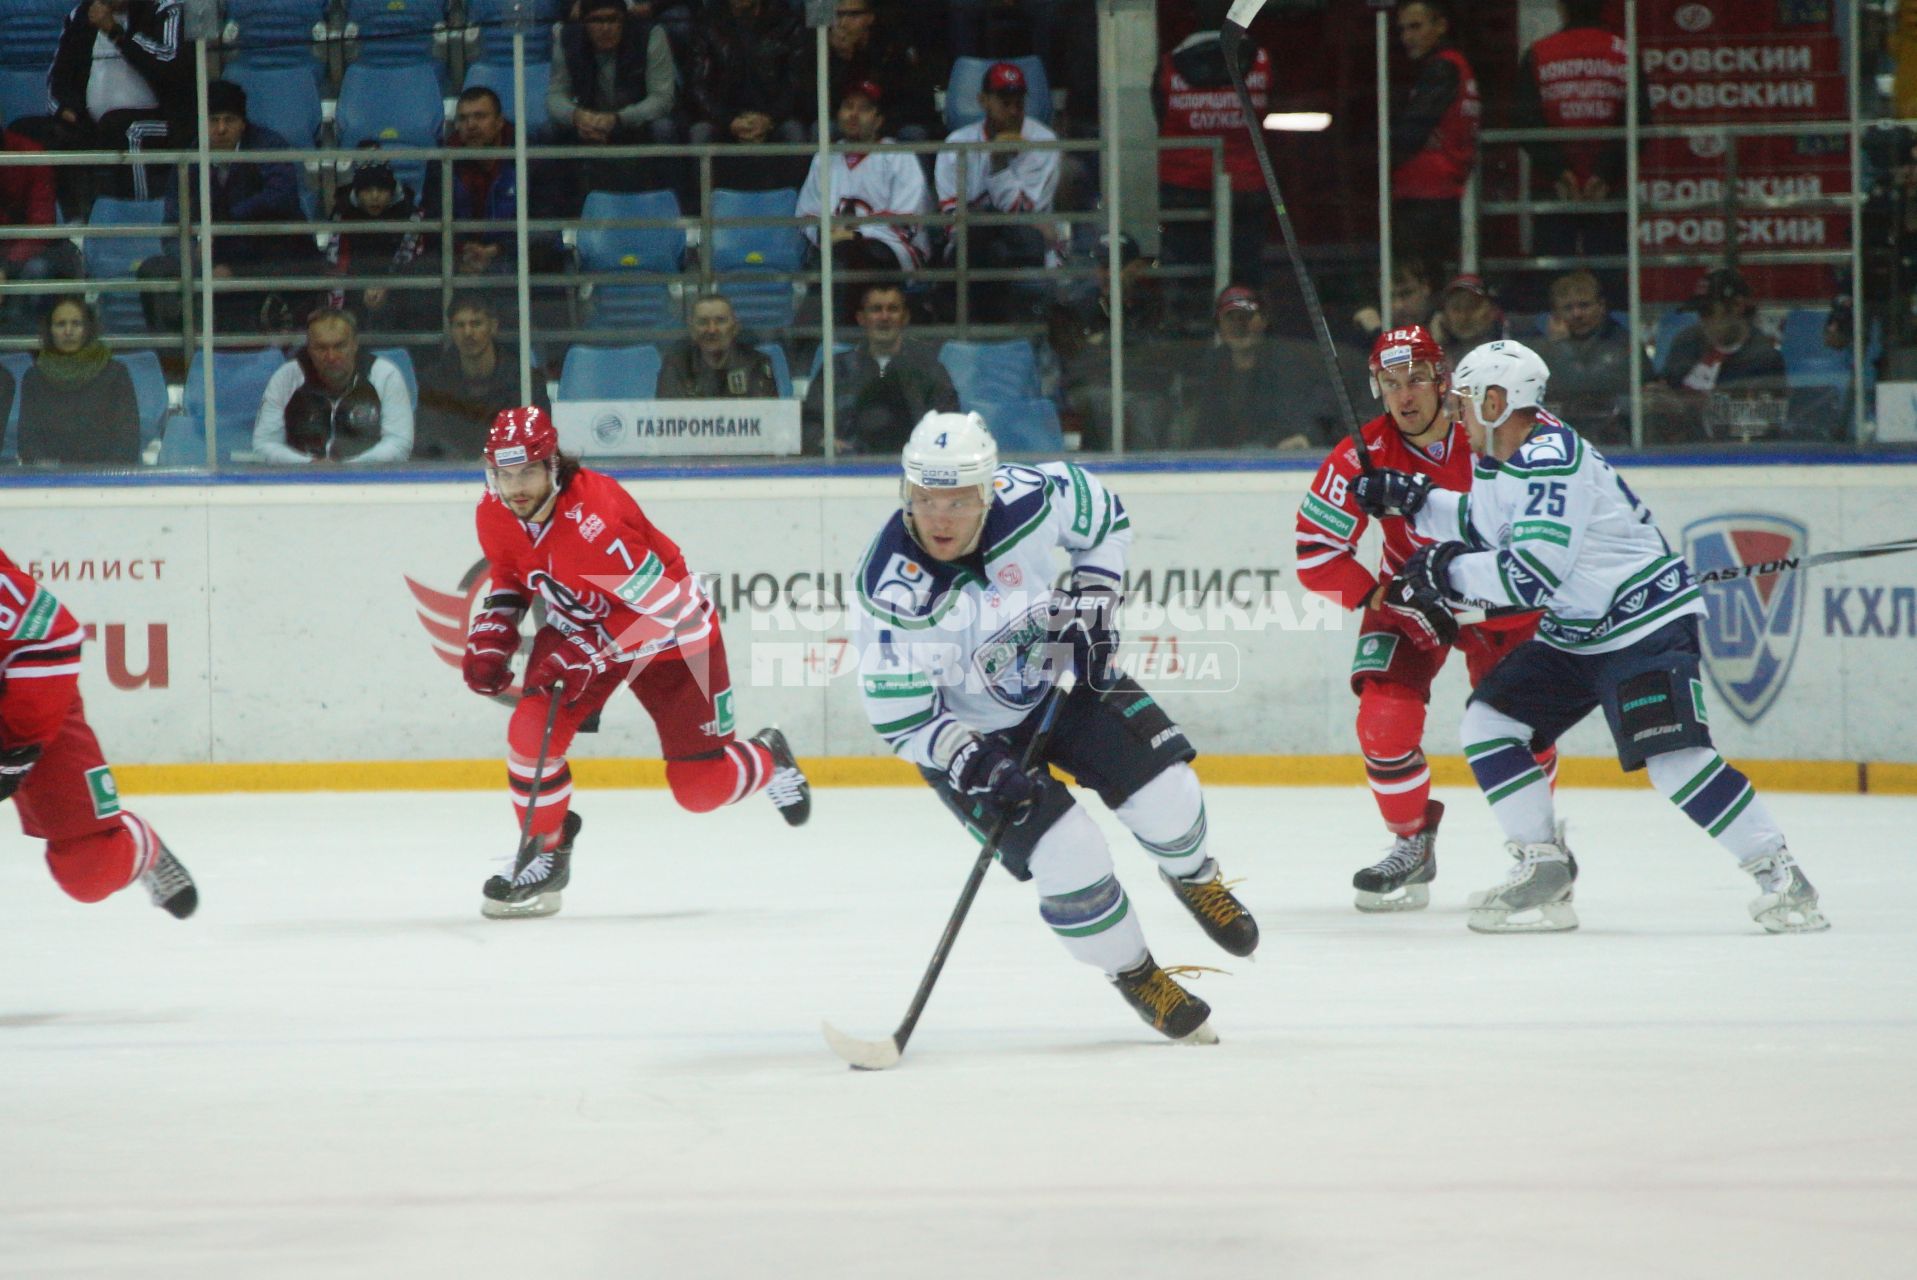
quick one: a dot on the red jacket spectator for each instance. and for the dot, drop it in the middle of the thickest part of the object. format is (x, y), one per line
(1574, 79)
(1434, 136)
(1195, 99)
(26, 199)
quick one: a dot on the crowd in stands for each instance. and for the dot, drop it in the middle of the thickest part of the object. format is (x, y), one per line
(1203, 369)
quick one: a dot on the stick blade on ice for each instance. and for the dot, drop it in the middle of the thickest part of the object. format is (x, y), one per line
(865, 1055)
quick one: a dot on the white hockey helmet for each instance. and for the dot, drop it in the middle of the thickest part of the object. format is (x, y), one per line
(1508, 364)
(951, 451)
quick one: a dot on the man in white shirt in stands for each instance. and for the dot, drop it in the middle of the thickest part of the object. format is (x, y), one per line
(333, 403)
(1002, 182)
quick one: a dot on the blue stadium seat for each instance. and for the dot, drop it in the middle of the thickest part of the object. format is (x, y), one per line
(402, 359)
(23, 93)
(240, 379)
(266, 34)
(610, 373)
(393, 106)
(29, 33)
(16, 363)
(496, 38)
(652, 249)
(149, 388)
(118, 257)
(991, 373)
(781, 368)
(968, 77)
(499, 78)
(772, 304)
(1026, 425)
(283, 99)
(395, 33)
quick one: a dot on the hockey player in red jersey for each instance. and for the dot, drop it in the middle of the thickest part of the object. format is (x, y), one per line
(621, 610)
(50, 762)
(1399, 653)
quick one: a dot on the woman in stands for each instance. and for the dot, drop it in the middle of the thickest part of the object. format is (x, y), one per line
(77, 406)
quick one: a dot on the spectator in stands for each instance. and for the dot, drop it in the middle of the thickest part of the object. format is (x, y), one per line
(333, 402)
(862, 46)
(244, 192)
(866, 184)
(467, 382)
(1079, 334)
(883, 385)
(614, 82)
(1247, 392)
(748, 65)
(1468, 316)
(1194, 98)
(77, 406)
(1722, 377)
(1004, 181)
(714, 363)
(488, 191)
(1434, 136)
(1590, 358)
(121, 80)
(1822, 401)
(27, 200)
(1575, 79)
(377, 198)
(1414, 296)
(1007, 28)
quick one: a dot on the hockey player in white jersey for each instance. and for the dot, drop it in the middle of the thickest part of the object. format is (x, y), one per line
(961, 635)
(1548, 524)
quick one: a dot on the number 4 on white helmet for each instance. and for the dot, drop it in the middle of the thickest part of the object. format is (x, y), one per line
(950, 451)
(1507, 364)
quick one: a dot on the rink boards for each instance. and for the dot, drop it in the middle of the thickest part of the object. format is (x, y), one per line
(306, 635)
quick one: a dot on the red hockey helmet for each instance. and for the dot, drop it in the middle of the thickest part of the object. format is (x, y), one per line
(1405, 345)
(521, 435)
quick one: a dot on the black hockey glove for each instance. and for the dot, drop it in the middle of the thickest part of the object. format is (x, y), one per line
(15, 764)
(984, 773)
(1390, 493)
(1086, 619)
(1419, 595)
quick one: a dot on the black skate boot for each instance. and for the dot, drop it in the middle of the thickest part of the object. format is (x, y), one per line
(1398, 881)
(538, 876)
(1164, 1005)
(170, 887)
(1217, 910)
(788, 788)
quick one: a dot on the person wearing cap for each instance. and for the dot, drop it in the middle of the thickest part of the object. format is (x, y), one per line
(870, 184)
(1193, 97)
(334, 402)
(1468, 315)
(1434, 136)
(884, 384)
(1723, 355)
(1001, 181)
(614, 82)
(377, 199)
(1245, 392)
(468, 382)
(1590, 356)
(747, 65)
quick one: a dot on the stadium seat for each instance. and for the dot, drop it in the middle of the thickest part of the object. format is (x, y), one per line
(23, 93)
(1026, 425)
(266, 34)
(149, 388)
(394, 33)
(772, 304)
(991, 373)
(781, 368)
(283, 99)
(29, 33)
(16, 363)
(393, 106)
(652, 249)
(402, 359)
(240, 379)
(968, 77)
(496, 37)
(610, 373)
(499, 78)
(119, 257)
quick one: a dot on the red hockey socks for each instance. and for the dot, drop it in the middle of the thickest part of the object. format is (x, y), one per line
(710, 782)
(101, 863)
(1390, 725)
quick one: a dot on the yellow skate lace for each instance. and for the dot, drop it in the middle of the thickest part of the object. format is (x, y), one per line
(1213, 899)
(1161, 993)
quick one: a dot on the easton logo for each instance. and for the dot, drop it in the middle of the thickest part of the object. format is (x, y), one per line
(1756, 608)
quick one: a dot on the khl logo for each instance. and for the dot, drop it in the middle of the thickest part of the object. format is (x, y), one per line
(1751, 633)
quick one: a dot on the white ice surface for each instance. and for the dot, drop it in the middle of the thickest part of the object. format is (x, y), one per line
(338, 1069)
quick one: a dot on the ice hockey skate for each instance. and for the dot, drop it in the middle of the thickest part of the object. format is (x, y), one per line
(789, 790)
(1535, 897)
(1164, 1005)
(1217, 910)
(1788, 903)
(172, 889)
(1401, 880)
(538, 876)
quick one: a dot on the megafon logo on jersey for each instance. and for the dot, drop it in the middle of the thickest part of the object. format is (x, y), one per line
(447, 615)
(1756, 604)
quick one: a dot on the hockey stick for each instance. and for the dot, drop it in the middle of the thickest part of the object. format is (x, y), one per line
(877, 1055)
(1790, 564)
(1232, 36)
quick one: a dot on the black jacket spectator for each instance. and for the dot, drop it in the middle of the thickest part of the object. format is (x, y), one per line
(1265, 406)
(380, 235)
(878, 407)
(644, 78)
(79, 410)
(254, 192)
(863, 48)
(749, 62)
(456, 410)
(1590, 387)
(152, 42)
(746, 374)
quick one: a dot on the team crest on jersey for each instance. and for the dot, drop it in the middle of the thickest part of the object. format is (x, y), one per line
(1756, 617)
(590, 528)
(1544, 449)
(1010, 577)
(1011, 663)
